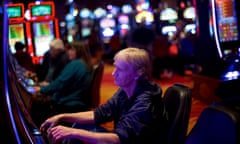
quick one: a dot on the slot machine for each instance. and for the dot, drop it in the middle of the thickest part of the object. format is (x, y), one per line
(87, 22)
(70, 26)
(17, 25)
(145, 15)
(189, 16)
(226, 34)
(123, 24)
(168, 18)
(107, 28)
(125, 20)
(44, 28)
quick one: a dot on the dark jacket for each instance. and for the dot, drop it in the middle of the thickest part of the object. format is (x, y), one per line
(137, 120)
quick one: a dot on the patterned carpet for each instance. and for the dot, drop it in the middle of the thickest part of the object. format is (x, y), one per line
(108, 89)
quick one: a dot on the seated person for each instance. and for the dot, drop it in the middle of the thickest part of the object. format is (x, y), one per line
(23, 58)
(136, 108)
(54, 61)
(68, 91)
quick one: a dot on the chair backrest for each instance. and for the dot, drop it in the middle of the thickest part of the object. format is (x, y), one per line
(177, 102)
(217, 124)
(95, 84)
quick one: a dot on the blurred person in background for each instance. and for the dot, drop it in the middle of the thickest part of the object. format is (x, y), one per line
(23, 58)
(54, 61)
(68, 92)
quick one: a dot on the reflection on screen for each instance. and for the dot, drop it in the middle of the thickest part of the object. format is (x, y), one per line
(16, 33)
(43, 34)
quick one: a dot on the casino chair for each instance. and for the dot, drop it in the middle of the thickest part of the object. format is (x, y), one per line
(95, 84)
(219, 123)
(177, 107)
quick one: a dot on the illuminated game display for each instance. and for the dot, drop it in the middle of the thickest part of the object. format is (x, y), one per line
(16, 25)
(15, 11)
(227, 20)
(41, 10)
(114, 10)
(99, 13)
(124, 24)
(70, 22)
(107, 28)
(126, 9)
(226, 26)
(145, 15)
(142, 5)
(86, 22)
(125, 20)
(43, 34)
(168, 18)
(44, 28)
(189, 15)
(16, 33)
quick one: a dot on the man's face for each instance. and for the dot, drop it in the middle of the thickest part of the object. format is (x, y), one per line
(124, 75)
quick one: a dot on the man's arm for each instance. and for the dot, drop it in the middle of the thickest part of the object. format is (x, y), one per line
(80, 117)
(60, 132)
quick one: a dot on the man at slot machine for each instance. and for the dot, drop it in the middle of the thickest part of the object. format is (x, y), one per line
(53, 62)
(136, 108)
(68, 92)
(23, 58)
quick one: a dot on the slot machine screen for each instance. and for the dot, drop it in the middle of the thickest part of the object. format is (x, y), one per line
(227, 20)
(107, 25)
(85, 13)
(169, 14)
(123, 19)
(169, 30)
(43, 33)
(147, 15)
(16, 33)
(124, 26)
(189, 13)
(85, 32)
(107, 22)
(100, 12)
(14, 12)
(41, 10)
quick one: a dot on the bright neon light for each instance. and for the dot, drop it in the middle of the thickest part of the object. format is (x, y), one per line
(232, 75)
(215, 29)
